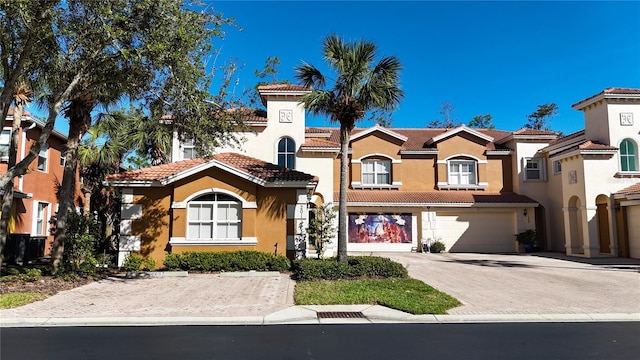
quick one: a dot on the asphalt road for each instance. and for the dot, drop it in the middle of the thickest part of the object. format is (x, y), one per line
(619, 340)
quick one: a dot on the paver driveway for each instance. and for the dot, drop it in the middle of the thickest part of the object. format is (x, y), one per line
(526, 284)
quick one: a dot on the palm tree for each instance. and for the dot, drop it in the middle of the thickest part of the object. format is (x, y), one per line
(359, 86)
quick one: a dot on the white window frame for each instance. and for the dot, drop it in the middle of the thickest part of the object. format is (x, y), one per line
(44, 155)
(557, 167)
(188, 145)
(472, 176)
(286, 153)
(376, 171)
(4, 144)
(214, 222)
(631, 159)
(540, 162)
(40, 218)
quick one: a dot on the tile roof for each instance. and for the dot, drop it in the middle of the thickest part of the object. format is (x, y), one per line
(631, 190)
(567, 138)
(433, 197)
(248, 165)
(24, 113)
(319, 143)
(586, 146)
(284, 87)
(610, 91)
(534, 132)
(417, 139)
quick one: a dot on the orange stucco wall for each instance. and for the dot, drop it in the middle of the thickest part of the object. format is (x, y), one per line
(159, 222)
(422, 172)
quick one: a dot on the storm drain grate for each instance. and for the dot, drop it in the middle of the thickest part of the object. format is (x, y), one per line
(340, 315)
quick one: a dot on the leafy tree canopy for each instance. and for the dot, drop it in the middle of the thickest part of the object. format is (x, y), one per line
(540, 118)
(447, 120)
(482, 122)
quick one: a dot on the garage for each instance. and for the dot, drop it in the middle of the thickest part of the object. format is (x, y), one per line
(483, 232)
(633, 226)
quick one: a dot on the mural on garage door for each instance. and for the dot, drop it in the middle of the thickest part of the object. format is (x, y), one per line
(380, 228)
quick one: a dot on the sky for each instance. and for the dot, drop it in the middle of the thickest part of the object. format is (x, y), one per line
(500, 58)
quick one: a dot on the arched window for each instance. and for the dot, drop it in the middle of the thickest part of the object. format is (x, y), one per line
(376, 172)
(287, 153)
(628, 156)
(462, 172)
(214, 217)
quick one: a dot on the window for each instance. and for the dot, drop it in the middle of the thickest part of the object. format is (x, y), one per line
(557, 167)
(5, 138)
(628, 156)
(462, 172)
(214, 217)
(287, 153)
(534, 169)
(42, 157)
(41, 216)
(376, 172)
(188, 150)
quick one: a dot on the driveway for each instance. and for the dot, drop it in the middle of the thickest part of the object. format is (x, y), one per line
(198, 295)
(529, 284)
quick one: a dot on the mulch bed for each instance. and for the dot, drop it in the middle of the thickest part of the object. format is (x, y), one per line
(48, 285)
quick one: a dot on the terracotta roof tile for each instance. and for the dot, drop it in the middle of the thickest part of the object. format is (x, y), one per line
(319, 143)
(417, 139)
(611, 91)
(566, 138)
(24, 113)
(534, 132)
(631, 190)
(433, 197)
(157, 172)
(251, 166)
(284, 87)
(590, 145)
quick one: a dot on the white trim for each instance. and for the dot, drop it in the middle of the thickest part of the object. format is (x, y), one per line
(311, 149)
(419, 152)
(499, 152)
(210, 164)
(393, 161)
(457, 130)
(542, 168)
(129, 243)
(127, 196)
(630, 203)
(480, 186)
(382, 130)
(276, 151)
(181, 241)
(442, 205)
(45, 220)
(602, 96)
(183, 204)
(453, 157)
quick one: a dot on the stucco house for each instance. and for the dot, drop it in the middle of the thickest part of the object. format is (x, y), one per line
(35, 193)
(472, 189)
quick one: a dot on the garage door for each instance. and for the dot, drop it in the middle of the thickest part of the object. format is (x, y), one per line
(633, 214)
(477, 232)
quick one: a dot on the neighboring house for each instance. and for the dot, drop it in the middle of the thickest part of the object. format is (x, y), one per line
(472, 189)
(35, 193)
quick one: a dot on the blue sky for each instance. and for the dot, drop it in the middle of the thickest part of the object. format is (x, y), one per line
(501, 58)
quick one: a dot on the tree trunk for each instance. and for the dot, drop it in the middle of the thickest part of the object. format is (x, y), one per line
(79, 122)
(7, 199)
(342, 206)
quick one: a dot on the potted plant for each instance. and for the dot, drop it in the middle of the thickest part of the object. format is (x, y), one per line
(528, 239)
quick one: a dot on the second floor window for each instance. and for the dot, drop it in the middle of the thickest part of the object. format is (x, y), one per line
(5, 138)
(462, 172)
(628, 156)
(42, 157)
(534, 169)
(188, 150)
(287, 153)
(376, 172)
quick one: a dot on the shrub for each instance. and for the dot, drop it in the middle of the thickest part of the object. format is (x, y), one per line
(242, 260)
(172, 261)
(357, 267)
(148, 264)
(437, 247)
(31, 275)
(133, 262)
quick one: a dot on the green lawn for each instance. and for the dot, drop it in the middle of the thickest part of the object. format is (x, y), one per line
(18, 299)
(408, 295)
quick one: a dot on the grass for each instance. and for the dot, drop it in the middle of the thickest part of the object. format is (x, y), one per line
(408, 295)
(12, 300)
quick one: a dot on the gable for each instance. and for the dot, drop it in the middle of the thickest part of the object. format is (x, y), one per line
(461, 144)
(376, 143)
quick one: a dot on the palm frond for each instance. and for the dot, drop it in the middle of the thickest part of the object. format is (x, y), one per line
(308, 75)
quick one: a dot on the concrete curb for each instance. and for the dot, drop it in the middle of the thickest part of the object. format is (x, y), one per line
(374, 314)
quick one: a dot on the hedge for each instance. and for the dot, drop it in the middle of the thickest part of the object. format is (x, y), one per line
(358, 267)
(242, 260)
